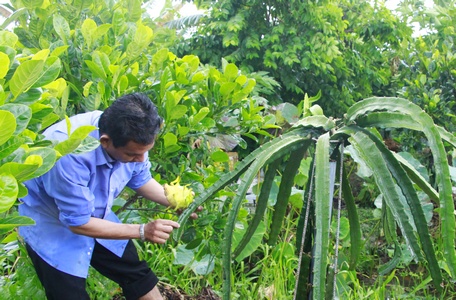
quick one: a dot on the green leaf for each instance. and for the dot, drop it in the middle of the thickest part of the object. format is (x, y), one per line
(9, 223)
(10, 146)
(22, 114)
(226, 88)
(353, 218)
(49, 157)
(101, 31)
(20, 171)
(202, 113)
(255, 241)
(262, 204)
(433, 134)
(315, 121)
(25, 76)
(62, 28)
(283, 196)
(169, 139)
(39, 111)
(177, 112)
(220, 156)
(95, 69)
(369, 152)
(102, 61)
(231, 71)
(32, 4)
(7, 126)
(8, 191)
(29, 97)
(50, 72)
(88, 144)
(88, 29)
(143, 37)
(74, 140)
(418, 178)
(415, 207)
(8, 38)
(323, 202)
(288, 112)
(4, 64)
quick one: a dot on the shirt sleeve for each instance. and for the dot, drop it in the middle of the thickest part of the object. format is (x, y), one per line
(141, 175)
(67, 182)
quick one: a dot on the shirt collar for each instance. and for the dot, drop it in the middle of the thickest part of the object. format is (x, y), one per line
(103, 158)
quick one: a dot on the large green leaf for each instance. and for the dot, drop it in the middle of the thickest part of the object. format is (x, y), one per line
(51, 71)
(415, 206)
(417, 178)
(143, 36)
(255, 241)
(21, 112)
(61, 27)
(261, 206)
(283, 196)
(21, 171)
(8, 191)
(353, 218)
(32, 4)
(74, 140)
(40, 111)
(10, 146)
(49, 157)
(30, 96)
(9, 223)
(4, 64)
(7, 126)
(287, 144)
(443, 179)
(315, 121)
(88, 29)
(323, 204)
(88, 144)
(368, 151)
(25, 76)
(96, 69)
(8, 38)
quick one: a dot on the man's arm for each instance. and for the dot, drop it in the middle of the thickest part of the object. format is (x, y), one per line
(153, 191)
(157, 231)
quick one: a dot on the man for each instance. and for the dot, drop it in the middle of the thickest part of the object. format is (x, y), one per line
(71, 205)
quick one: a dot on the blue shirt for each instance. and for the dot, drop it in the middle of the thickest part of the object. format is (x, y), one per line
(77, 188)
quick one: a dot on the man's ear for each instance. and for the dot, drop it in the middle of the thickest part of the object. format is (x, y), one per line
(105, 140)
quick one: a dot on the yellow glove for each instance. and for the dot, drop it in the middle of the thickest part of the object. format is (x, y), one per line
(178, 196)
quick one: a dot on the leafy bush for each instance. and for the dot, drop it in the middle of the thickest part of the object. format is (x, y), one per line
(31, 98)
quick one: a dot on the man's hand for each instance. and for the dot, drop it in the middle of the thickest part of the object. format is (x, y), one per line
(158, 231)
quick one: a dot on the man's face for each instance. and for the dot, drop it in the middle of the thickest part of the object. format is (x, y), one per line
(131, 152)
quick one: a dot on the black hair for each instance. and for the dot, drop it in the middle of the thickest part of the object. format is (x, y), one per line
(132, 117)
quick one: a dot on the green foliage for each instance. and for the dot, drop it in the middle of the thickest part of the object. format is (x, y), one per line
(392, 180)
(344, 49)
(426, 67)
(204, 109)
(103, 47)
(30, 99)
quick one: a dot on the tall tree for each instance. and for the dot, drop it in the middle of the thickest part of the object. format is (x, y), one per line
(344, 48)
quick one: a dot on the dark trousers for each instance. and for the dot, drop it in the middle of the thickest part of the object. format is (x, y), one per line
(133, 276)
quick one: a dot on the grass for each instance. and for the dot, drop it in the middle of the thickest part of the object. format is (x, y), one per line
(269, 273)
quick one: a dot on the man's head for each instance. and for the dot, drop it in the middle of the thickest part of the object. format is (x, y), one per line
(129, 126)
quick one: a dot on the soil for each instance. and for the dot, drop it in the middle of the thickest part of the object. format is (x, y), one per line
(170, 293)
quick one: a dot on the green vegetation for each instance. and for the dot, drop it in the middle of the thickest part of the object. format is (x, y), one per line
(354, 191)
